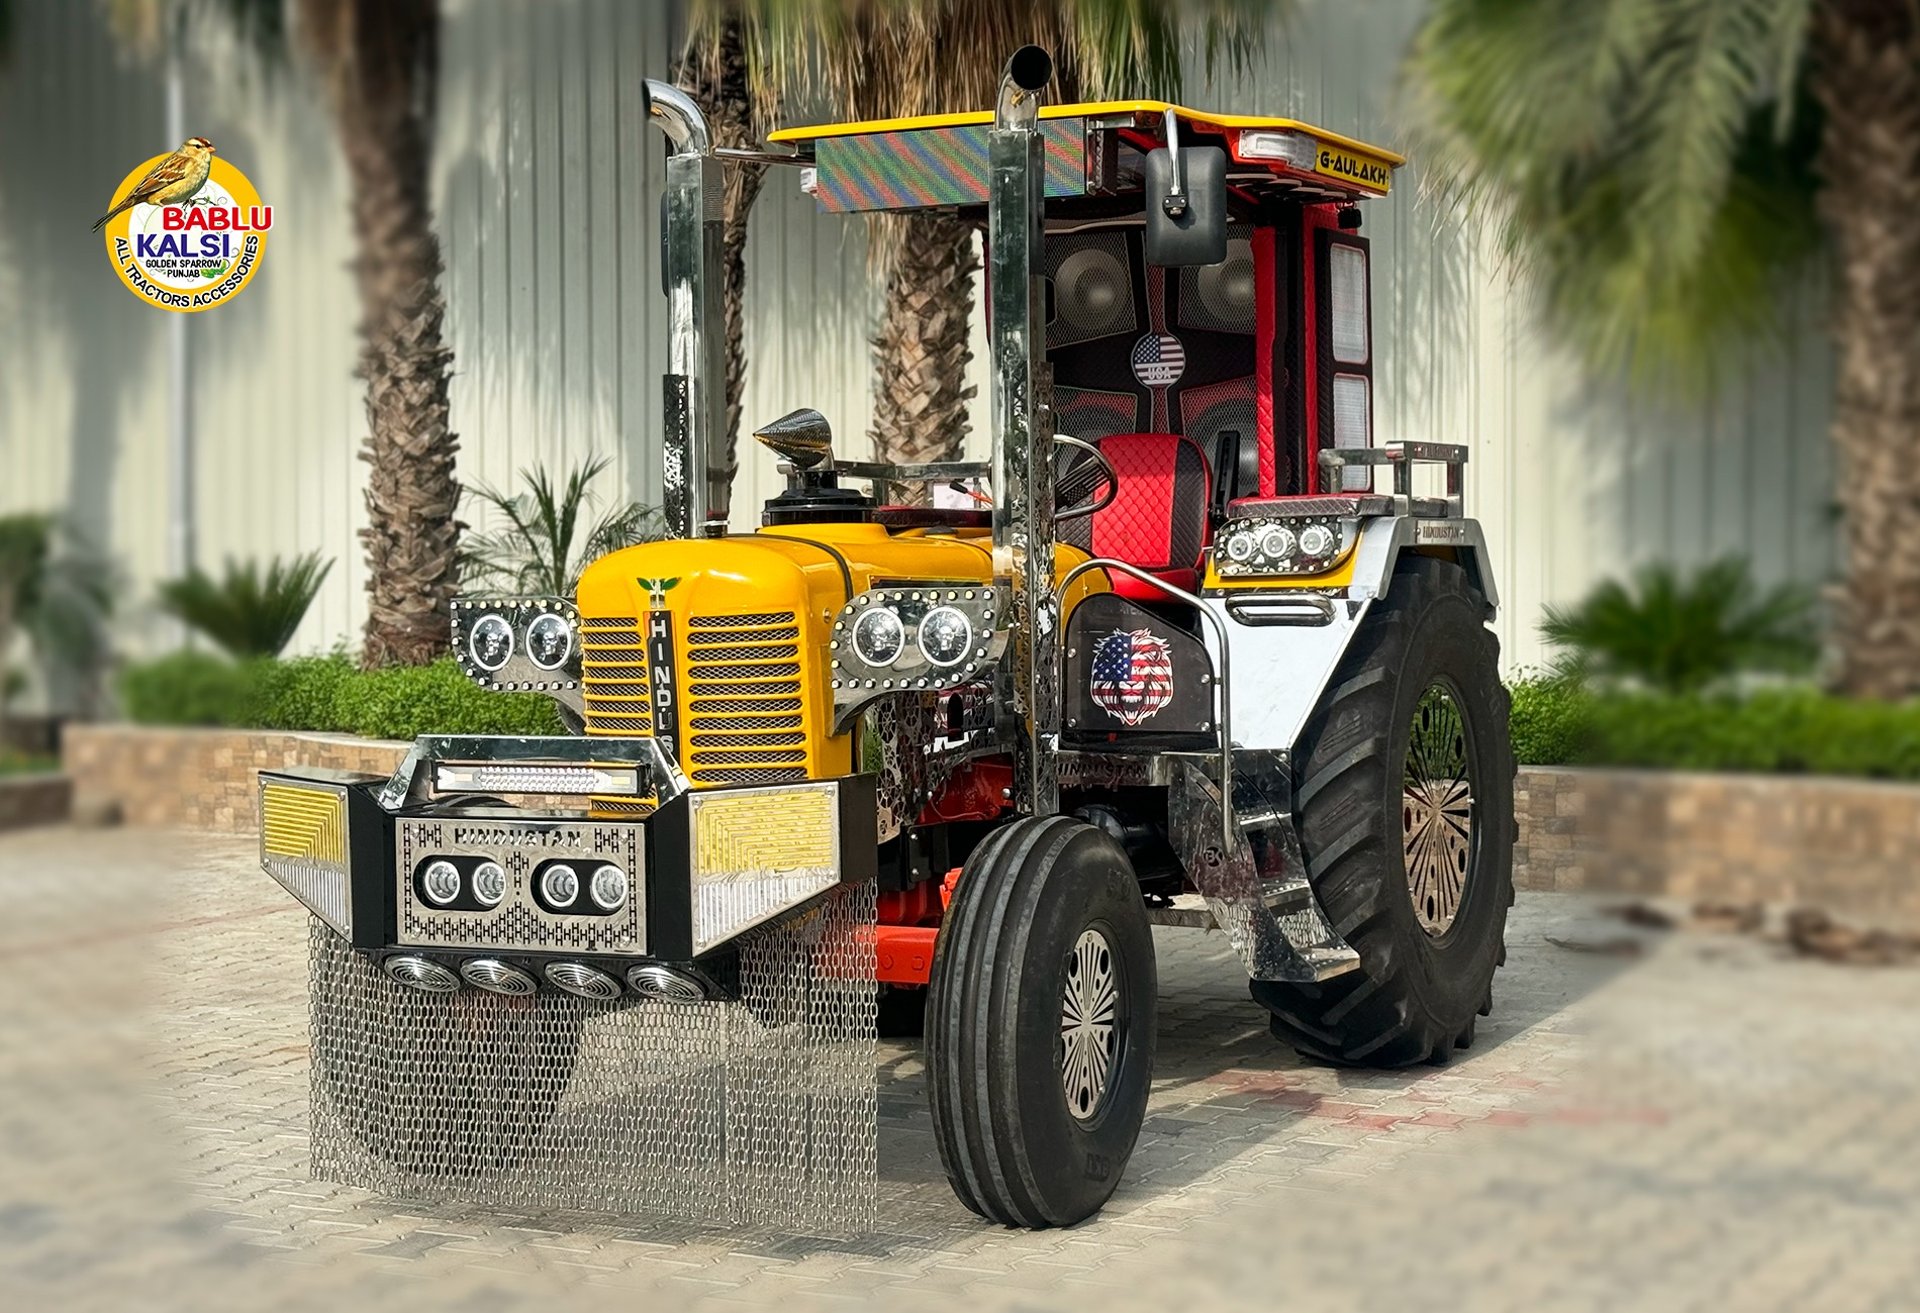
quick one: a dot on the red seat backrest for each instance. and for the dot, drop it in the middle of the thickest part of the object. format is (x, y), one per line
(1158, 519)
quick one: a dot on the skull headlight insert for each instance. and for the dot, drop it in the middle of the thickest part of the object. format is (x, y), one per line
(879, 637)
(946, 636)
(549, 640)
(490, 642)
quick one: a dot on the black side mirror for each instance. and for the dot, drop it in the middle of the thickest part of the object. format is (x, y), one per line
(1186, 206)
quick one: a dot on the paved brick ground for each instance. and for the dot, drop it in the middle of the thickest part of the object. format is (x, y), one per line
(1704, 1124)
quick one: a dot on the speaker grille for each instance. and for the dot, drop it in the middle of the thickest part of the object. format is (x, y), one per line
(1219, 298)
(1092, 288)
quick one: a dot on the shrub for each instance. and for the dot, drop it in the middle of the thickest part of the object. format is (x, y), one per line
(245, 613)
(186, 688)
(326, 694)
(1680, 632)
(402, 702)
(551, 533)
(1777, 730)
(1552, 721)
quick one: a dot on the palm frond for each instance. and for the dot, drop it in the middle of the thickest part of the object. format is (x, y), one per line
(1681, 632)
(1646, 161)
(247, 613)
(542, 548)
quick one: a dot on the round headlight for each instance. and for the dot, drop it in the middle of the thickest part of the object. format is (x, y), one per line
(1316, 540)
(549, 641)
(608, 887)
(489, 883)
(1240, 548)
(559, 885)
(946, 636)
(1277, 543)
(440, 882)
(490, 642)
(879, 637)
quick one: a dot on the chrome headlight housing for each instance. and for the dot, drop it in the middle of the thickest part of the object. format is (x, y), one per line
(910, 637)
(1267, 546)
(519, 644)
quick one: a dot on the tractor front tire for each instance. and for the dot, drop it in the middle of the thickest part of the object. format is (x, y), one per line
(1404, 790)
(1040, 1024)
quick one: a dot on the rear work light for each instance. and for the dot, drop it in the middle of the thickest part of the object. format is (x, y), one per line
(1295, 148)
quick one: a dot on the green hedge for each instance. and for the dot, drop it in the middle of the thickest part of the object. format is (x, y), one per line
(1780, 730)
(1555, 722)
(328, 694)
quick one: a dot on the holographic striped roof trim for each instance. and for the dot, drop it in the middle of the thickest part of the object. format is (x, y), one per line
(933, 166)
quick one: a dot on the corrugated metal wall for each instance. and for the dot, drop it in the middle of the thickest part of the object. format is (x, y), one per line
(545, 182)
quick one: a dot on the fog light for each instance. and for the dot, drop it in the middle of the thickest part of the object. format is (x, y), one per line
(440, 882)
(608, 887)
(1316, 540)
(559, 885)
(422, 973)
(490, 973)
(489, 883)
(664, 984)
(583, 981)
(534, 777)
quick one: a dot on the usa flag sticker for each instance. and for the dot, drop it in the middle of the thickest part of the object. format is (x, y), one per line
(1132, 675)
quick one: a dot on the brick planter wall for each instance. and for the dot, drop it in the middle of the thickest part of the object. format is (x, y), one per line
(37, 799)
(1850, 846)
(200, 779)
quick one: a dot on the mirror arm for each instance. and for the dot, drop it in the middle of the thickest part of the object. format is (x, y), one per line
(1175, 201)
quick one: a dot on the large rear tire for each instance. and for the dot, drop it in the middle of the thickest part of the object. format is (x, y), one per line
(1404, 785)
(1040, 1024)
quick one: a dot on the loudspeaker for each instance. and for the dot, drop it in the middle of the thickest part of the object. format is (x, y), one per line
(1092, 287)
(1219, 298)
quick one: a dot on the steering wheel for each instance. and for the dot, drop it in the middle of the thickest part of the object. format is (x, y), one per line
(1078, 471)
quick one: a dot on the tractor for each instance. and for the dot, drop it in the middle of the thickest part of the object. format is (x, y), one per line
(1179, 652)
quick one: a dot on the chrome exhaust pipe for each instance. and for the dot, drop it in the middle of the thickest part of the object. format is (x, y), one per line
(696, 490)
(1024, 78)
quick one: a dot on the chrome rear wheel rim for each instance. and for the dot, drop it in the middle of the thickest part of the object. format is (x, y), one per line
(1090, 1021)
(1437, 811)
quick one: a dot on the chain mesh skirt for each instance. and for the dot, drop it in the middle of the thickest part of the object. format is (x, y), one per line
(759, 1111)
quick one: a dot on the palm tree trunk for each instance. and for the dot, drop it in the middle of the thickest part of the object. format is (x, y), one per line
(383, 57)
(1866, 74)
(921, 349)
(713, 70)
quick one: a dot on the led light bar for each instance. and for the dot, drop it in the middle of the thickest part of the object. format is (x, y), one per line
(534, 777)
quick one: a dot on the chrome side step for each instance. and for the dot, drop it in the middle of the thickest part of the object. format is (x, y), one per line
(1264, 903)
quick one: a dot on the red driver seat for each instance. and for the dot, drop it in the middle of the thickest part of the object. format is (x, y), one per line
(1158, 519)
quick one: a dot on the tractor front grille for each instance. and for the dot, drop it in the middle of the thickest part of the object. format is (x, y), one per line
(613, 676)
(744, 697)
(743, 705)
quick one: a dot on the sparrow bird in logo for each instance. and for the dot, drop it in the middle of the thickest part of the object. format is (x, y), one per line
(173, 181)
(1132, 674)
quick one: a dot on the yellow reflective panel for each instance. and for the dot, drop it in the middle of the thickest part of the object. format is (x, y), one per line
(303, 822)
(761, 833)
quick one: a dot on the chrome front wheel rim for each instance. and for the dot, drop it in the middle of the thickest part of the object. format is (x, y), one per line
(1090, 1020)
(1437, 811)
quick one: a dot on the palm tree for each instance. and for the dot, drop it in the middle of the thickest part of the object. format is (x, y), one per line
(889, 58)
(1665, 167)
(381, 60)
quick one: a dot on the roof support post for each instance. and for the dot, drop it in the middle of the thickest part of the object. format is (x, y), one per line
(1022, 396)
(696, 493)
